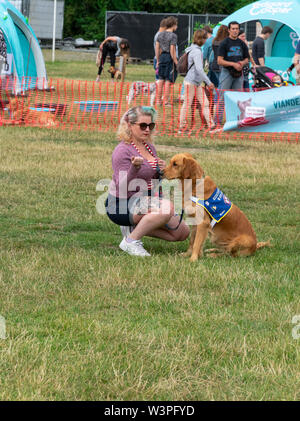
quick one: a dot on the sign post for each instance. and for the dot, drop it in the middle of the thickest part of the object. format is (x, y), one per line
(54, 30)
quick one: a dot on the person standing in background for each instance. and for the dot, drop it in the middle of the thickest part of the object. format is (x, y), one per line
(296, 63)
(207, 47)
(162, 28)
(165, 52)
(233, 55)
(222, 33)
(208, 53)
(258, 46)
(214, 67)
(193, 81)
(246, 69)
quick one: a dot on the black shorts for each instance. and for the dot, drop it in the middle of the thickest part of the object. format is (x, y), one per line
(119, 210)
(166, 68)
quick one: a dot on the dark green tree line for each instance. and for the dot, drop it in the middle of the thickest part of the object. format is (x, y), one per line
(86, 18)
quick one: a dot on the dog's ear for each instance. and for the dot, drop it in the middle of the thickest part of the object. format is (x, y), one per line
(188, 155)
(191, 169)
(188, 167)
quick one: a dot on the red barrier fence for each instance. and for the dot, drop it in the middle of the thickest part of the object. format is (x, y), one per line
(87, 105)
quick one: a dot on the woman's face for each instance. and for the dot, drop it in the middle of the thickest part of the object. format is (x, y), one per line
(203, 41)
(243, 37)
(137, 133)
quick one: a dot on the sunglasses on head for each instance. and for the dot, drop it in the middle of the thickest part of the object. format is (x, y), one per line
(143, 126)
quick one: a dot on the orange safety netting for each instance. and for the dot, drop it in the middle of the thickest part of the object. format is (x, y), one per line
(87, 105)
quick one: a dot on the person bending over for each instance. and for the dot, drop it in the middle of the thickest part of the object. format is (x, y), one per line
(114, 46)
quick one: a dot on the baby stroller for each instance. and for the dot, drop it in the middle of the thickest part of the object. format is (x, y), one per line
(267, 78)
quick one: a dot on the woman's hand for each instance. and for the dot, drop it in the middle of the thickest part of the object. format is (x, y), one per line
(161, 164)
(137, 161)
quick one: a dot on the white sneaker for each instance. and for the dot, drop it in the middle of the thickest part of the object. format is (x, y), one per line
(135, 248)
(126, 230)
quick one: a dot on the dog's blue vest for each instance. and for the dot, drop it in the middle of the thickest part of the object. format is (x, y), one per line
(217, 206)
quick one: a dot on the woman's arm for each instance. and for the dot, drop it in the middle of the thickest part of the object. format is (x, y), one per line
(125, 170)
(296, 59)
(198, 62)
(157, 52)
(173, 53)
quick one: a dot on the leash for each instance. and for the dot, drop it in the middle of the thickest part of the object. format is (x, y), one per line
(160, 175)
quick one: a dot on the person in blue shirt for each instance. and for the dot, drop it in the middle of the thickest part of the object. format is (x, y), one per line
(208, 54)
(207, 47)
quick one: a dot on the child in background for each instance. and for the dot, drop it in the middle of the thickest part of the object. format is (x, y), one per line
(276, 79)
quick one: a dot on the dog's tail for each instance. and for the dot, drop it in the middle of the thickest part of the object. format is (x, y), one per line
(263, 244)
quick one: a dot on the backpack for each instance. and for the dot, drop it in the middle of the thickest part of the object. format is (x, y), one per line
(182, 65)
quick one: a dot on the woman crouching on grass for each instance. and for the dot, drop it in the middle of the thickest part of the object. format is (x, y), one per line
(131, 202)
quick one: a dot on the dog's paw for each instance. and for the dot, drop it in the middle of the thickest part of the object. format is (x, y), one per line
(187, 253)
(213, 255)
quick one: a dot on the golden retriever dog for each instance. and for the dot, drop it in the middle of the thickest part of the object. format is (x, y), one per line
(233, 234)
(22, 114)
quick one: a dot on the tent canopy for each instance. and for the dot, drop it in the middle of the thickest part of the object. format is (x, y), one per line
(286, 13)
(283, 18)
(22, 47)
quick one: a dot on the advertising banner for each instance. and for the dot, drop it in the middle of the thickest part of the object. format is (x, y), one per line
(272, 110)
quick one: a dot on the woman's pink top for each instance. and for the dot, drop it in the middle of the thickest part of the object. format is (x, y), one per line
(124, 172)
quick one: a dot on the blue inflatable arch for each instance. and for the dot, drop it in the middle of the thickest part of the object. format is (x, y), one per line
(26, 58)
(284, 18)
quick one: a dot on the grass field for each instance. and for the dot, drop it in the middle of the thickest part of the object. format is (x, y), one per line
(84, 321)
(81, 65)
